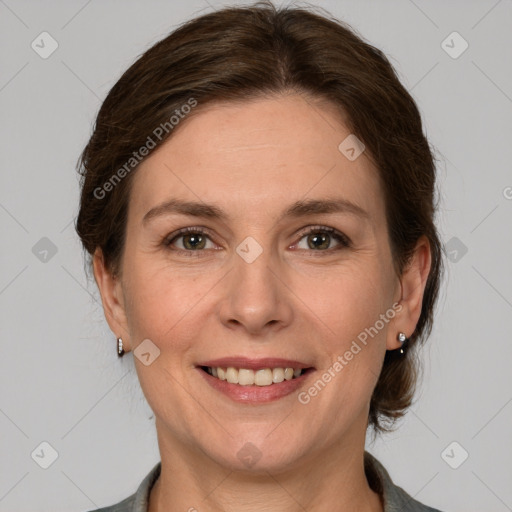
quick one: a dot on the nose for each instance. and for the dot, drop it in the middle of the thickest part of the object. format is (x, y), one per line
(256, 298)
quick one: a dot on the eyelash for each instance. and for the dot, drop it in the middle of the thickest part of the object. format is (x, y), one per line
(342, 239)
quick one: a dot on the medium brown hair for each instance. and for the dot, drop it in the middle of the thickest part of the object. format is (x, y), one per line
(240, 53)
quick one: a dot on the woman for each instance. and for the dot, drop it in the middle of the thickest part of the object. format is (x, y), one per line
(258, 201)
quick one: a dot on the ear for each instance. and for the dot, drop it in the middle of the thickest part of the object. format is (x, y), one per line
(412, 281)
(112, 298)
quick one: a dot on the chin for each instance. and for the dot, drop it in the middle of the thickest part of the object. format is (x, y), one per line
(259, 453)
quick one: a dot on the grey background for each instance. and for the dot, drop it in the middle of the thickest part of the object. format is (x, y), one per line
(62, 383)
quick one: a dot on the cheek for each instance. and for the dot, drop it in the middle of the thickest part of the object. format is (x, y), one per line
(347, 300)
(353, 310)
(162, 301)
(355, 351)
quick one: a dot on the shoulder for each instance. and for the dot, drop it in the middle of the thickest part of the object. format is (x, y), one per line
(123, 506)
(400, 501)
(394, 497)
(138, 501)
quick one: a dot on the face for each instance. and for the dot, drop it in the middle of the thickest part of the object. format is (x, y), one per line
(260, 281)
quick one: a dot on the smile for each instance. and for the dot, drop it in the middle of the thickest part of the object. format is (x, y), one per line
(249, 377)
(255, 381)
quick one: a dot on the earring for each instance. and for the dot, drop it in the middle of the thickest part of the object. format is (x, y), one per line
(402, 338)
(120, 349)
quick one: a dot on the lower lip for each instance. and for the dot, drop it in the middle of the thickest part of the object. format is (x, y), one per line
(255, 394)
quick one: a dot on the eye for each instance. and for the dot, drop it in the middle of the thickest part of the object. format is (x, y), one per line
(319, 238)
(193, 239)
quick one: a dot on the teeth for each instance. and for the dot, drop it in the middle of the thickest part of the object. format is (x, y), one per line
(277, 375)
(263, 377)
(232, 375)
(247, 377)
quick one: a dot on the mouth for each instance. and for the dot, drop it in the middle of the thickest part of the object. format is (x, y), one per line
(249, 377)
(254, 380)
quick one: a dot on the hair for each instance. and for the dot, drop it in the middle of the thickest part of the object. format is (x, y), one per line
(242, 53)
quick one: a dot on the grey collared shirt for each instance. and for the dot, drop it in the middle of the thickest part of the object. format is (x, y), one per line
(395, 499)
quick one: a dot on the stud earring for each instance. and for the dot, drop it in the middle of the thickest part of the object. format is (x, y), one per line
(120, 349)
(402, 338)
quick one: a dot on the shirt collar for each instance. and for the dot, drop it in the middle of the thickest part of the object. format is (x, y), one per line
(394, 498)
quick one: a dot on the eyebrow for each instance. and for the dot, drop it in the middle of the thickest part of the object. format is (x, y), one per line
(301, 208)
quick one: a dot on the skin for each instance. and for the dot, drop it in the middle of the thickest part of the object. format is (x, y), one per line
(253, 160)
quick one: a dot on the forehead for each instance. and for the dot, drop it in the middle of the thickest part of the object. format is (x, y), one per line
(261, 153)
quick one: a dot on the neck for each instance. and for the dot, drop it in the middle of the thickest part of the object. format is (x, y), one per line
(333, 480)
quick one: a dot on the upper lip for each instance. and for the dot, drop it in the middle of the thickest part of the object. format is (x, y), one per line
(253, 364)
